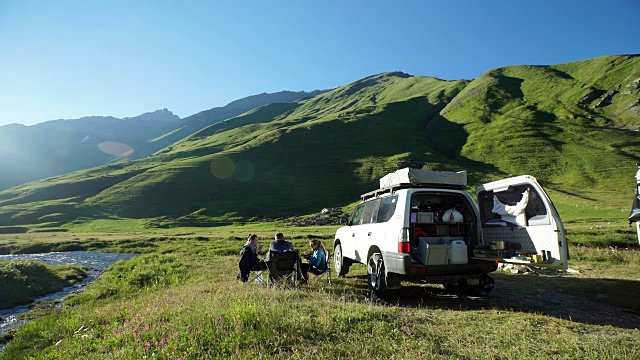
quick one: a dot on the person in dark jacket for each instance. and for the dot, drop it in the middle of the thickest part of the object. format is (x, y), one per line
(249, 260)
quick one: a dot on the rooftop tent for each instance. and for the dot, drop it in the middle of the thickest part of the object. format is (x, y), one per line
(415, 176)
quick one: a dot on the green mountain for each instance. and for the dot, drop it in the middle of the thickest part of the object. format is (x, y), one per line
(573, 126)
(61, 146)
(196, 122)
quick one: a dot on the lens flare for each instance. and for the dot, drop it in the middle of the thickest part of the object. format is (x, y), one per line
(115, 148)
(244, 171)
(222, 167)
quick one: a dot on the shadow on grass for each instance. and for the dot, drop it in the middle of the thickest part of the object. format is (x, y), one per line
(585, 300)
(570, 193)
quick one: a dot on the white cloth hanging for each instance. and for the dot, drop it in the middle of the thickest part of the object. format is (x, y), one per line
(512, 213)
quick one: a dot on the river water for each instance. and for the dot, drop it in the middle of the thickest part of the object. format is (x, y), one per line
(95, 262)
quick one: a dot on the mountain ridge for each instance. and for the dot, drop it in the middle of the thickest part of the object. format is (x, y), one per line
(60, 146)
(282, 160)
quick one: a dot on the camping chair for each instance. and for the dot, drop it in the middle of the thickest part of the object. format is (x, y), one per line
(249, 272)
(326, 274)
(284, 268)
(258, 277)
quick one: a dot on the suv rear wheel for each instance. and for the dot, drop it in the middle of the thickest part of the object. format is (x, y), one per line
(483, 288)
(376, 276)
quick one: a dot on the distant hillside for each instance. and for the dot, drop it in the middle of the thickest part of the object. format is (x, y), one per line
(193, 123)
(61, 146)
(573, 126)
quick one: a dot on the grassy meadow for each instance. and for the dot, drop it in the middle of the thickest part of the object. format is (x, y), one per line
(180, 299)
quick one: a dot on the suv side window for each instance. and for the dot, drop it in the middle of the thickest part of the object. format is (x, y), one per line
(387, 208)
(356, 218)
(370, 212)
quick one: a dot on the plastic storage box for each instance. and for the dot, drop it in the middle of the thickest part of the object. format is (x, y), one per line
(432, 251)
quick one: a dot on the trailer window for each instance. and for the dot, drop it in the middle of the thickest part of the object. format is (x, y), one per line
(535, 206)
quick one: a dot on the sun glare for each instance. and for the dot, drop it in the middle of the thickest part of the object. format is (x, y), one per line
(223, 167)
(115, 148)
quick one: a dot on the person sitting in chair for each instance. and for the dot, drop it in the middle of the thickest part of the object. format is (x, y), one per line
(317, 260)
(280, 244)
(249, 260)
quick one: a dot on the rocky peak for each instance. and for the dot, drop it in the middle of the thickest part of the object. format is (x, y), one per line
(158, 115)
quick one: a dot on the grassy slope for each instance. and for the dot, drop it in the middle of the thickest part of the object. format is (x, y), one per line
(270, 156)
(526, 119)
(297, 158)
(266, 169)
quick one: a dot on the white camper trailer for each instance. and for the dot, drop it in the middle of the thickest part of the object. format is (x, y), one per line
(635, 211)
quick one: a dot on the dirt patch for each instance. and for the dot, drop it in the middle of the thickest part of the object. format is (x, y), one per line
(565, 296)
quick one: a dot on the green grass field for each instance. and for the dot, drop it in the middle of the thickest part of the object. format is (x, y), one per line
(181, 299)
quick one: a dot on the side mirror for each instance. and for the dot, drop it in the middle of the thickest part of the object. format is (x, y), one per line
(345, 221)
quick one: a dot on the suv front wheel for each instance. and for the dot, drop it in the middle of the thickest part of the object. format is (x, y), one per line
(340, 264)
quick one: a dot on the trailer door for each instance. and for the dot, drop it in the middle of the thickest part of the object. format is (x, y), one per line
(518, 215)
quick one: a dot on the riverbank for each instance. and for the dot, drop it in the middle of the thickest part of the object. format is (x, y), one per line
(22, 281)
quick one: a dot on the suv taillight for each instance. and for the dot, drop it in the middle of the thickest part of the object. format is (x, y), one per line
(404, 246)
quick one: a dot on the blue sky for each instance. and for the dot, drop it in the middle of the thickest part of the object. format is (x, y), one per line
(68, 59)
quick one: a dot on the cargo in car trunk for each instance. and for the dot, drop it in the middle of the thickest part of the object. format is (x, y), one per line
(433, 251)
(443, 214)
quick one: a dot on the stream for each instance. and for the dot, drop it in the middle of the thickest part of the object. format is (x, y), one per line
(95, 262)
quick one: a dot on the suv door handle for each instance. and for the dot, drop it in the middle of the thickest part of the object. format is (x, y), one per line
(369, 234)
(353, 235)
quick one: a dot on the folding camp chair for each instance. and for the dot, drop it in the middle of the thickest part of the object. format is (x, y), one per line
(251, 268)
(258, 277)
(284, 268)
(326, 274)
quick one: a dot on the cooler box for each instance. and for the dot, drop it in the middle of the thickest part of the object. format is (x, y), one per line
(458, 254)
(431, 251)
(425, 217)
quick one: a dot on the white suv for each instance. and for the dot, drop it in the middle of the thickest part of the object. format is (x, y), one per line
(421, 226)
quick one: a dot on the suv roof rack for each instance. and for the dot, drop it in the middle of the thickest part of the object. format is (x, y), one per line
(391, 189)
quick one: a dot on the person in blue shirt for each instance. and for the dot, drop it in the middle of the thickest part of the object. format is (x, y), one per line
(317, 259)
(280, 244)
